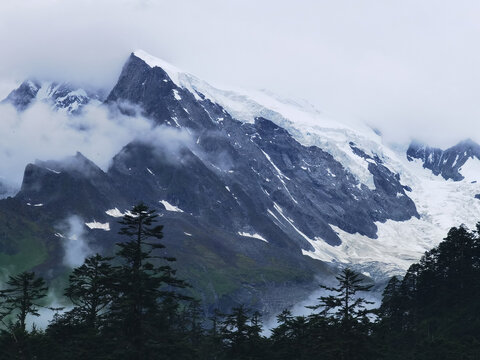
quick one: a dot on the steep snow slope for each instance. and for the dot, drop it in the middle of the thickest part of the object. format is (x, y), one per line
(302, 120)
(441, 203)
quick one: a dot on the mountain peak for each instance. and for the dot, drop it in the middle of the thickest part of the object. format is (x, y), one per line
(172, 71)
(469, 143)
(60, 95)
(21, 97)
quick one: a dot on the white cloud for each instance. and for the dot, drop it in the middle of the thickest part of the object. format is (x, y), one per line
(75, 243)
(408, 67)
(44, 134)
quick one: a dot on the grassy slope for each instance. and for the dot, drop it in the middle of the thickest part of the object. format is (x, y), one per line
(24, 244)
(27, 242)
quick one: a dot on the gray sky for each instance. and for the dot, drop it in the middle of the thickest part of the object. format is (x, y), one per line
(409, 67)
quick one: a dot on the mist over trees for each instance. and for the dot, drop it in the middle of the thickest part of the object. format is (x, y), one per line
(133, 306)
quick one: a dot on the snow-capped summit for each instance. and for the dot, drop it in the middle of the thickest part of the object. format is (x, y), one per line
(362, 152)
(152, 61)
(60, 96)
(21, 97)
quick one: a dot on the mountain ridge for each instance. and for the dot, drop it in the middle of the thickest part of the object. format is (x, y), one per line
(313, 191)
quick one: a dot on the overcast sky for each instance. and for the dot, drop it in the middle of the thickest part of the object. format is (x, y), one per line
(409, 67)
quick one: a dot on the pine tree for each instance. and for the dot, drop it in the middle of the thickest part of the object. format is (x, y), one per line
(22, 297)
(235, 331)
(193, 321)
(90, 289)
(212, 347)
(347, 306)
(146, 295)
(390, 325)
(348, 314)
(433, 312)
(242, 334)
(391, 309)
(79, 330)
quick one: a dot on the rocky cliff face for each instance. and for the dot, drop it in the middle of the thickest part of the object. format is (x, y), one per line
(276, 176)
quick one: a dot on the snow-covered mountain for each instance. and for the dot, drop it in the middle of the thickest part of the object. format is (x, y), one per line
(441, 201)
(61, 96)
(258, 194)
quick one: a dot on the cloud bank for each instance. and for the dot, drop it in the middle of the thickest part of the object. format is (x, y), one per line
(406, 67)
(44, 134)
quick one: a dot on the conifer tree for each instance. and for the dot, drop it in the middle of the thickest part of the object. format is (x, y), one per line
(90, 289)
(146, 297)
(242, 334)
(212, 347)
(391, 309)
(79, 331)
(347, 305)
(235, 330)
(22, 297)
(348, 313)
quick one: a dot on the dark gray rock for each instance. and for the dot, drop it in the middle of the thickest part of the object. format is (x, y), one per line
(446, 163)
(22, 97)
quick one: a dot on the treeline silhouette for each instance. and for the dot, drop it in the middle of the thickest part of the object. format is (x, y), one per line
(133, 306)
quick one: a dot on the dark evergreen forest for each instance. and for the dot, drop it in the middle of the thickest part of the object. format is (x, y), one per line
(133, 306)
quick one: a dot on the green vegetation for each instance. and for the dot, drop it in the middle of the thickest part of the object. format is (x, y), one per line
(134, 306)
(30, 254)
(208, 271)
(22, 246)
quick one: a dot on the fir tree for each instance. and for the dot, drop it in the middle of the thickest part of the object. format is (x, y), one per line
(348, 314)
(22, 297)
(90, 289)
(347, 306)
(242, 334)
(146, 297)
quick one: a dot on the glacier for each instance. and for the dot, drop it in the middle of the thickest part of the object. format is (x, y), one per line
(441, 203)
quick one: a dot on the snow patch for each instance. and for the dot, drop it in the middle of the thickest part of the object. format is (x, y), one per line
(275, 166)
(170, 207)
(290, 221)
(114, 213)
(97, 225)
(174, 118)
(176, 95)
(53, 171)
(254, 235)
